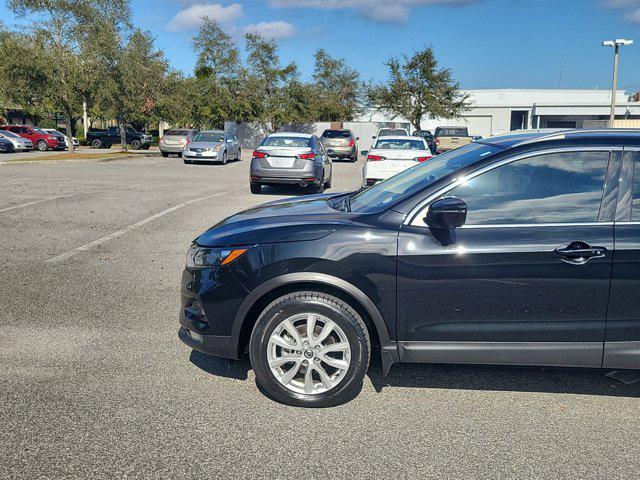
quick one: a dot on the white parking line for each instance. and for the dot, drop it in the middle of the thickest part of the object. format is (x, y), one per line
(139, 224)
(58, 197)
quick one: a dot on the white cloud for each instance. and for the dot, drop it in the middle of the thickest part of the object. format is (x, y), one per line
(271, 30)
(630, 7)
(378, 10)
(191, 17)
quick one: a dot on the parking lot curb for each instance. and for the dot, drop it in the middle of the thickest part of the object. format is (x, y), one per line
(128, 156)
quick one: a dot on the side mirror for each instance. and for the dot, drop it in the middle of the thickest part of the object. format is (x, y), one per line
(364, 152)
(447, 213)
(373, 137)
(357, 138)
(330, 151)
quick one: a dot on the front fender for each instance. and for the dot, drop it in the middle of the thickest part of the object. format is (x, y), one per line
(388, 347)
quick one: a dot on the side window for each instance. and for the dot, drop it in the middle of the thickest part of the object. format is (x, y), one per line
(635, 208)
(550, 188)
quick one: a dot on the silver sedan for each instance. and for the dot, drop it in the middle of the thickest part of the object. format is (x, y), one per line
(212, 146)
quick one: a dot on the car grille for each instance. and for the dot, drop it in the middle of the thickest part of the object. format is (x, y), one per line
(198, 150)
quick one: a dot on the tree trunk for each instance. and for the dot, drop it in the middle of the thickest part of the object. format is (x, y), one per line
(69, 122)
(123, 133)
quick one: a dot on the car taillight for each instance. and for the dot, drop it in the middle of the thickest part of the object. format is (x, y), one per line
(437, 141)
(422, 159)
(187, 142)
(259, 154)
(374, 158)
(307, 156)
(352, 143)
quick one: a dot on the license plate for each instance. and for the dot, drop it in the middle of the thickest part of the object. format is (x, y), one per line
(198, 154)
(281, 162)
(334, 142)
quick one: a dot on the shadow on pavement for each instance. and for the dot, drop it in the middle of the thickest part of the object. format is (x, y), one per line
(461, 377)
(221, 367)
(503, 379)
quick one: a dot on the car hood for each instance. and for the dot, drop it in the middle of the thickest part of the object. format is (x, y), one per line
(309, 218)
(204, 144)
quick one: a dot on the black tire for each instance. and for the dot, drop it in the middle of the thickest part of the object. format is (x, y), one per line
(318, 188)
(334, 309)
(255, 188)
(224, 158)
(327, 184)
(42, 146)
(136, 144)
(239, 157)
(96, 143)
(165, 154)
(354, 159)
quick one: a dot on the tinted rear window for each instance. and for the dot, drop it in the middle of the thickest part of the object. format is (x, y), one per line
(452, 132)
(286, 142)
(336, 134)
(182, 133)
(400, 144)
(388, 132)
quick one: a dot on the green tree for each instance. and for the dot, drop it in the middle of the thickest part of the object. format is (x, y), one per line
(338, 87)
(58, 77)
(133, 75)
(417, 89)
(270, 81)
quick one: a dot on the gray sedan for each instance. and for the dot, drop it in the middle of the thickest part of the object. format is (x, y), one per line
(175, 140)
(212, 146)
(293, 159)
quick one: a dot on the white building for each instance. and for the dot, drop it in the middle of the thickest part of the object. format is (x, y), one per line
(496, 111)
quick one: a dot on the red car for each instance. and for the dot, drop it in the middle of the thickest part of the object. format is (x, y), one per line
(41, 140)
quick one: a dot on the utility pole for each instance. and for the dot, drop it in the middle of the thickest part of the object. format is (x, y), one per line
(616, 45)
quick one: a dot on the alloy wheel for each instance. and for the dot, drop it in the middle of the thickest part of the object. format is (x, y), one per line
(308, 353)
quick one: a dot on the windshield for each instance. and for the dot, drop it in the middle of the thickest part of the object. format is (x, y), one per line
(41, 132)
(209, 137)
(419, 177)
(399, 144)
(336, 134)
(286, 142)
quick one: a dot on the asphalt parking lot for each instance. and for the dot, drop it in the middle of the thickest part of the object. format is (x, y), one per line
(95, 383)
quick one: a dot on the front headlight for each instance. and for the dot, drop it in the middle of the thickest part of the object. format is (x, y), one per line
(202, 257)
(217, 148)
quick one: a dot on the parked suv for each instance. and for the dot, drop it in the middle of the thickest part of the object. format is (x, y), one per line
(43, 141)
(515, 250)
(340, 144)
(291, 159)
(110, 136)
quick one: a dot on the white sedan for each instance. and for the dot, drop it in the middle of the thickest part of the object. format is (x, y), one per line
(391, 155)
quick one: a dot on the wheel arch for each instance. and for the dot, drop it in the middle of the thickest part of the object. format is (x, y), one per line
(260, 297)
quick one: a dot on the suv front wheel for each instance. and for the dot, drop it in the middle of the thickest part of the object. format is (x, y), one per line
(310, 349)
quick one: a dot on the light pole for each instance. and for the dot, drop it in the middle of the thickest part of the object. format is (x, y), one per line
(616, 45)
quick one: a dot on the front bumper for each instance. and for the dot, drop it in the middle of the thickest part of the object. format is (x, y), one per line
(210, 299)
(210, 156)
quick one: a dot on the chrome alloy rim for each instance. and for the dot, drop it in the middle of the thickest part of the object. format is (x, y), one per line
(308, 353)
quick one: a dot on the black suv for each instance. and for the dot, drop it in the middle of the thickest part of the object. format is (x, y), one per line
(516, 250)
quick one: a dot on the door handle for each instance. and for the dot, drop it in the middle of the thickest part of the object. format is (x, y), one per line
(579, 253)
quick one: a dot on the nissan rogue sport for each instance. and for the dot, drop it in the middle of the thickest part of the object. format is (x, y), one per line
(522, 249)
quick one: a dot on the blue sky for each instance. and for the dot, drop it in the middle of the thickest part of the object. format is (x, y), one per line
(487, 43)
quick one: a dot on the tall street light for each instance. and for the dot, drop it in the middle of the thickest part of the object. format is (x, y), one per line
(616, 45)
